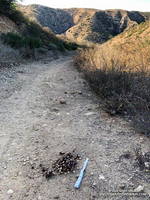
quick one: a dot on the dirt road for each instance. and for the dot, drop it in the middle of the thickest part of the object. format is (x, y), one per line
(35, 127)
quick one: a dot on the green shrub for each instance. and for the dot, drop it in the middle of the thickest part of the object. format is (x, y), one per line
(70, 45)
(33, 30)
(32, 43)
(18, 41)
(12, 39)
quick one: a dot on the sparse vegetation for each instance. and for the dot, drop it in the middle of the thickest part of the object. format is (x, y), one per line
(119, 72)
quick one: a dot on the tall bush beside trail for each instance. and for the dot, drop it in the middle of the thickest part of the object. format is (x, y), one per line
(27, 45)
(32, 43)
(122, 80)
(12, 39)
(33, 30)
(18, 41)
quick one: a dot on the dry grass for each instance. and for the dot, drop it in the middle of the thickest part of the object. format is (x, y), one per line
(119, 72)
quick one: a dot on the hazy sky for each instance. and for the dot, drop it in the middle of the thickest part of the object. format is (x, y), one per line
(141, 5)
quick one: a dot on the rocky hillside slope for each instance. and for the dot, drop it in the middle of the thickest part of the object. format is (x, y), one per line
(56, 19)
(99, 26)
(81, 24)
(137, 36)
(130, 48)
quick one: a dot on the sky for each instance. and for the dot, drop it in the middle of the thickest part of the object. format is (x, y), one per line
(140, 5)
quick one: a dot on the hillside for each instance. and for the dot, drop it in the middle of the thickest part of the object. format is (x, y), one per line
(131, 46)
(99, 26)
(56, 19)
(23, 37)
(79, 24)
(135, 35)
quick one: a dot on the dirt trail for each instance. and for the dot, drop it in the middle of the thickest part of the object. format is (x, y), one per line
(35, 128)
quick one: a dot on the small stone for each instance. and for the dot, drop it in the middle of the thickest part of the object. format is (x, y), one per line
(129, 179)
(141, 139)
(147, 165)
(20, 71)
(140, 188)
(52, 118)
(62, 101)
(79, 92)
(10, 191)
(27, 159)
(35, 128)
(126, 155)
(94, 184)
(89, 113)
(101, 177)
(20, 174)
(131, 185)
(72, 92)
(112, 112)
(122, 186)
(44, 125)
(56, 197)
(55, 109)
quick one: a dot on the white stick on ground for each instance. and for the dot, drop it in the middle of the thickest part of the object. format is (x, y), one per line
(82, 172)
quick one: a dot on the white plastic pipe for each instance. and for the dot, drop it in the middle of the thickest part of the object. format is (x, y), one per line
(82, 172)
